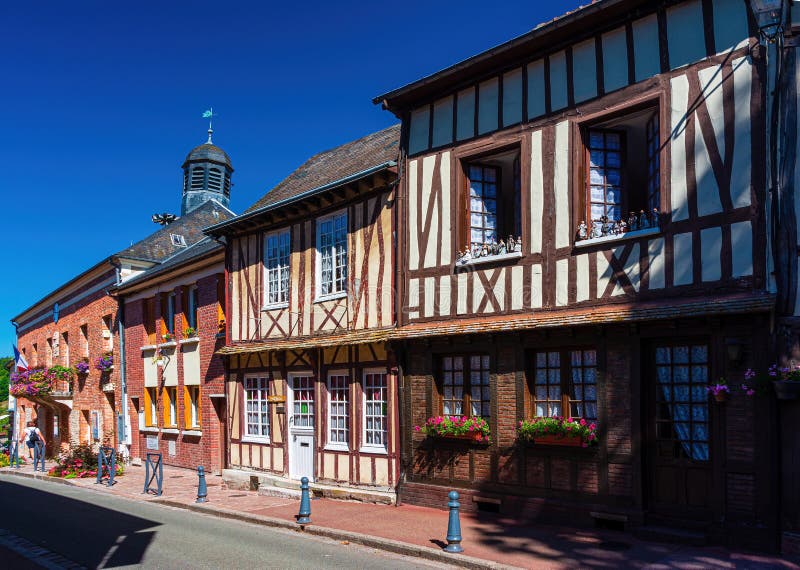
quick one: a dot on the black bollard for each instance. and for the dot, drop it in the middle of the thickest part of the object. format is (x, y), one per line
(453, 525)
(304, 516)
(202, 491)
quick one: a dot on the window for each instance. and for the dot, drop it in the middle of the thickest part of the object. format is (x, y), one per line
(303, 401)
(493, 203)
(56, 346)
(623, 166)
(35, 352)
(190, 310)
(177, 240)
(94, 427)
(191, 407)
(256, 389)
(170, 407)
(565, 383)
(108, 337)
(149, 318)
(221, 303)
(214, 179)
(65, 349)
(49, 355)
(338, 410)
(375, 403)
(168, 313)
(85, 341)
(276, 265)
(332, 253)
(150, 407)
(198, 178)
(465, 386)
(682, 419)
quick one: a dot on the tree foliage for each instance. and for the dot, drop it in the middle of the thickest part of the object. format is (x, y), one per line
(4, 372)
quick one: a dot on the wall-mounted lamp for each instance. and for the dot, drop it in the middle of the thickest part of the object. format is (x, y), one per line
(769, 15)
(734, 348)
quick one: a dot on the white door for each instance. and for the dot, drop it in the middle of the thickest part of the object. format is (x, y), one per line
(301, 426)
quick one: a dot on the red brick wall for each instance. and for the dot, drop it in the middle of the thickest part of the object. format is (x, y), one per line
(190, 450)
(87, 393)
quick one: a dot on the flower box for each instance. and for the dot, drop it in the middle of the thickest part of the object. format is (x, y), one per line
(474, 429)
(566, 440)
(786, 389)
(473, 437)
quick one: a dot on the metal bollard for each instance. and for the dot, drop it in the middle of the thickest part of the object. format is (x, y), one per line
(202, 491)
(38, 456)
(303, 517)
(453, 525)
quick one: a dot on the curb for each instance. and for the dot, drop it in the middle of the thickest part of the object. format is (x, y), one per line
(378, 543)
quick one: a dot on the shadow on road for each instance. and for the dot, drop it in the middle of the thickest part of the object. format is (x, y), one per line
(85, 533)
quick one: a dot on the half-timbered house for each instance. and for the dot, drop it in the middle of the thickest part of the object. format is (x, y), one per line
(311, 383)
(582, 232)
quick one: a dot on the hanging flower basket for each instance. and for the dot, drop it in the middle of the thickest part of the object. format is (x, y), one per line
(82, 368)
(719, 390)
(105, 363)
(785, 381)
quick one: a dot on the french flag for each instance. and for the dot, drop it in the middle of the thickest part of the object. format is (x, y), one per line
(20, 361)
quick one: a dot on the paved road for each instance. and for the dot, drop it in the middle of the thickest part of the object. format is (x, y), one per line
(95, 530)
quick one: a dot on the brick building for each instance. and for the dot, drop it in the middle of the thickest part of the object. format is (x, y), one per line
(80, 321)
(174, 324)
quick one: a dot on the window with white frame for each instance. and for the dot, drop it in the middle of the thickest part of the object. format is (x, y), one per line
(338, 410)
(276, 264)
(375, 405)
(256, 389)
(332, 253)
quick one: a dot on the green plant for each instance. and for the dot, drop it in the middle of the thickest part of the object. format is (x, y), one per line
(476, 427)
(528, 430)
(190, 332)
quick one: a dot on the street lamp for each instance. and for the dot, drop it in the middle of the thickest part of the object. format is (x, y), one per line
(769, 15)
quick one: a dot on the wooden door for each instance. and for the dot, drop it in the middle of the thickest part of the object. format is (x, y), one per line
(678, 450)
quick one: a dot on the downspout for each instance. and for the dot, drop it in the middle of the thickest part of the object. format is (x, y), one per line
(123, 442)
(11, 399)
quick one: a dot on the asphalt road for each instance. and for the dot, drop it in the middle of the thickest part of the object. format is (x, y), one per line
(95, 530)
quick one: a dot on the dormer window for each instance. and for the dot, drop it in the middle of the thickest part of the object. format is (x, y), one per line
(177, 240)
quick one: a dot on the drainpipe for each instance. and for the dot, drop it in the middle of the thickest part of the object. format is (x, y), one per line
(123, 427)
(12, 401)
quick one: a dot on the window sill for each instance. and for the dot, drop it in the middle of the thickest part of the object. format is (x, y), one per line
(374, 450)
(192, 340)
(168, 344)
(275, 306)
(616, 238)
(489, 259)
(192, 433)
(254, 439)
(335, 447)
(150, 429)
(322, 298)
(148, 347)
(171, 431)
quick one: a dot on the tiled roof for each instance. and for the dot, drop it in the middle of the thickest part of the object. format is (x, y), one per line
(336, 164)
(200, 249)
(158, 246)
(321, 340)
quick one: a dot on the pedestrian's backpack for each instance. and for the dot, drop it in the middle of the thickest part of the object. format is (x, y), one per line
(33, 437)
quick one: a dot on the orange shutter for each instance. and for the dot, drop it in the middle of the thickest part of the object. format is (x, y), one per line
(187, 407)
(148, 420)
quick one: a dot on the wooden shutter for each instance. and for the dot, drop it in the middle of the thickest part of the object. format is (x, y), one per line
(148, 419)
(187, 407)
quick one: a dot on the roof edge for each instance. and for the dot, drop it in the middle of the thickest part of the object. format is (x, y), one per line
(216, 229)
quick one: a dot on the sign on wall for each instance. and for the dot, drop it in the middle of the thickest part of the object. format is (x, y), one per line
(152, 442)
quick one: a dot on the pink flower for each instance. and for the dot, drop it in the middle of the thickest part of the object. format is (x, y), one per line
(592, 427)
(583, 422)
(569, 419)
(416, 428)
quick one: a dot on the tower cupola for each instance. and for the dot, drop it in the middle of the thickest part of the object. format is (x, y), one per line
(207, 174)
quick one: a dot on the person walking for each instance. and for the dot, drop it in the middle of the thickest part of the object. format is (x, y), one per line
(31, 435)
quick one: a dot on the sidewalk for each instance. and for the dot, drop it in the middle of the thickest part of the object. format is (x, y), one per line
(489, 540)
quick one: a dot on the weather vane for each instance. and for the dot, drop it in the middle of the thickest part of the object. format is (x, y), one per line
(209, 114)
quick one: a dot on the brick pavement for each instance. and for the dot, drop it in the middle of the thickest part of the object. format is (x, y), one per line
(421, 531)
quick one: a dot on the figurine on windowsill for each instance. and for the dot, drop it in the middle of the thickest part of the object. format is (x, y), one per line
(644, 223)
(501, 248)
(583, 230)
(632, 221)
(597, 228)
(463, 257)
(510, 244)
(518, 245)
(655, 222)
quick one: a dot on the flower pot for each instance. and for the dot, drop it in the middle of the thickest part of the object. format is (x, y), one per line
(721, 397)
(567, 440)
(474, 437)
(785, 390)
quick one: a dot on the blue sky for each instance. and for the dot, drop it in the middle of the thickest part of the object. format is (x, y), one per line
(101, 103)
